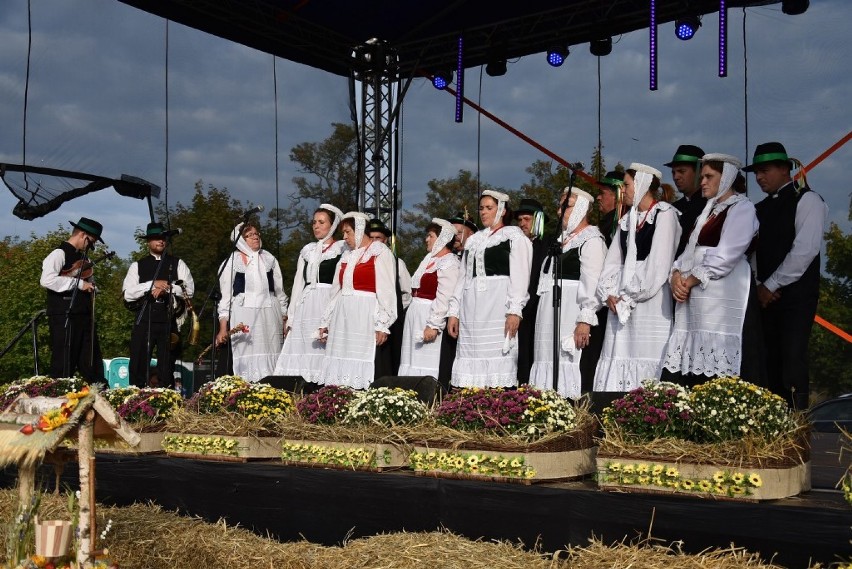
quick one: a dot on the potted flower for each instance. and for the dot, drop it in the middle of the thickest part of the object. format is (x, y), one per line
(519, 434)
(725, 438)
(146, 409)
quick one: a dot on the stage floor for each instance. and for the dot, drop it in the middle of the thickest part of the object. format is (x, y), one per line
(328, 506)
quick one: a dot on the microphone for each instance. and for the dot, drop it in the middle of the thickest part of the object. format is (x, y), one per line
(171, 233)
(252, 211)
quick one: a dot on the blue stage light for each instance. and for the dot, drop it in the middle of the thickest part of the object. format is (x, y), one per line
(442, 79)
(556, 55)
(686, 27)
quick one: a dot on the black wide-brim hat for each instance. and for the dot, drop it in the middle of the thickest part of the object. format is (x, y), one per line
(686, 154)
(90, 226)
(767, 153)
(461, 219)
(531, 207)
(378, 225)
(154, 230)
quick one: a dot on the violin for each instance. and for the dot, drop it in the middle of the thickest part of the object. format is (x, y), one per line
(85, 267)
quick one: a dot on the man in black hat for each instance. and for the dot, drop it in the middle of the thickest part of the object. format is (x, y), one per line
(792, 221)
(66, 275)
(609, 203)
(531, 219)
(154, 289)
(465, 227)
(378, 231)
(685, 166)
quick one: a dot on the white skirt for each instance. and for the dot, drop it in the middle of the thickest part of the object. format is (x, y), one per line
(541, 374)
(255, 353)
(634, 351)
(351, 346)
(419, 357)
(480, 361)
(302, 353)
(708, 328)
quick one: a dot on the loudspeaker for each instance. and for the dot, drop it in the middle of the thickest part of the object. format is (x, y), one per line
(602, 399)
(293, 383)
(427, 387)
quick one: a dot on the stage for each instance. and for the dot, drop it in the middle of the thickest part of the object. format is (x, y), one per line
(327, 506)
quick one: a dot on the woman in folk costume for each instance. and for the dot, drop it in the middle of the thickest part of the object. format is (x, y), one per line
(485, 309)
(579, 265)
(357, 320)
(711, 279)
(432, 285)
(302, 352)
(253, 294)
(634, 285)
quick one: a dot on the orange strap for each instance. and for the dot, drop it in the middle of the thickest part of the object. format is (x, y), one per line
(824, 155)
(832, 328)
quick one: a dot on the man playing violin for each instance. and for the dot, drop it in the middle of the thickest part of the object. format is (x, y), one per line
(155, 288)
(70, 291)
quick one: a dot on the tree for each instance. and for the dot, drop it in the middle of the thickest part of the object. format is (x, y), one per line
(20, 263)
(829, 354)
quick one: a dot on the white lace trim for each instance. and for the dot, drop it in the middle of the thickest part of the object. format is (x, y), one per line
(704, 353)
(482, 240)
(588, 316)
(624, 222)
(625, 374)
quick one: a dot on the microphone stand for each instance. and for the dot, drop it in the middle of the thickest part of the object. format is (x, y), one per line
(216, 295)
(66, 358)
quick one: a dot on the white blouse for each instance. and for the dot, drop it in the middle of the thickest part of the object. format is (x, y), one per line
(256, 294)
(309, 258)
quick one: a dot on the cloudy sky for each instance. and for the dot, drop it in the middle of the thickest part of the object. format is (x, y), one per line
(97, 103)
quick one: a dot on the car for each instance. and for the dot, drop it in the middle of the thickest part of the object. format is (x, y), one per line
(832, 415)
(831, 449)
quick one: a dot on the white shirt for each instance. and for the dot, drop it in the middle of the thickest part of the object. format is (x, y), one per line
(134, 290)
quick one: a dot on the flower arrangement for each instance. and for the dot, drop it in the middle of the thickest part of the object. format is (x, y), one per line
(326, 406)
(40, 386)
(55, 418)
(149, 404)
(389, 406)
(330, 455)
(652, 410)
(234, 394)
(722, 483)
(471, 463)
(729, 408)
(526, 412)
(200, 444)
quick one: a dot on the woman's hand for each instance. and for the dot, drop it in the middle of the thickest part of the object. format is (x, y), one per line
(582, 333)
(429, 335)
(611, 303)
(222, 337)
(381, 338)
(512, 323)
(453, 327)
(682, 286)
(323, 335)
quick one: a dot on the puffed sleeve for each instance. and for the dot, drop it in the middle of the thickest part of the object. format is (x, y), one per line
(226, 287)
(404, 283)
(454, 304)
(132, 288)
(592, 255)
(520, 267)
(298, 287)
(737, 233)
(187, 288)
(385, 313)
(448, 276)
(651, 275)
(278, 283)
(50, 277)
(610, 277)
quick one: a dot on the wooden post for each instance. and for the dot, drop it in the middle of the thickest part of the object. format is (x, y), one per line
(86, 450)
(26, 482)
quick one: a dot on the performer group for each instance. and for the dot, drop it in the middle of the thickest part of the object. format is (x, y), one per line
(709, 285)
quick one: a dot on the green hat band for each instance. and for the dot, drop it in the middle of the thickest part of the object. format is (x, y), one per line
(685, 158)
(612, 182)
(88, 229)
(771, 157)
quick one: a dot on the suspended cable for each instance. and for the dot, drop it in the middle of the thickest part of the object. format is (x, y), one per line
(277, 206)
(400, 158)
(600, 142)
(478, 136)
(27, 90)
(745, 88)
(166, 172)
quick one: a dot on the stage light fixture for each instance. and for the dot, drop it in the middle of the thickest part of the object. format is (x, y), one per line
(496, 68)
(686, 27)
(601, 47)
(442, 79)
(794, 7)
(557, 54)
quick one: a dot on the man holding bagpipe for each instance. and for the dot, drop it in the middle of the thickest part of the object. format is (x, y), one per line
(157, 288)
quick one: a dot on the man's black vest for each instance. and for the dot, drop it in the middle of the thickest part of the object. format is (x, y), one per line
(58, 302)
(777, 217)
(147, 266)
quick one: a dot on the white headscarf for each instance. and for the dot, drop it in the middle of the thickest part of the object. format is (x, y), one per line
(641, 184)
(730, 168)
(502, 199)
(255, 268)
(583, 202)
(446, 235)
(360, 220)
(315, 255)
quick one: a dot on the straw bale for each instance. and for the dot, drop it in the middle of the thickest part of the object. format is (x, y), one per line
(147, 537)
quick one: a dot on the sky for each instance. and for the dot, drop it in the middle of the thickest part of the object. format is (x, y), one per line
(97, 103)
